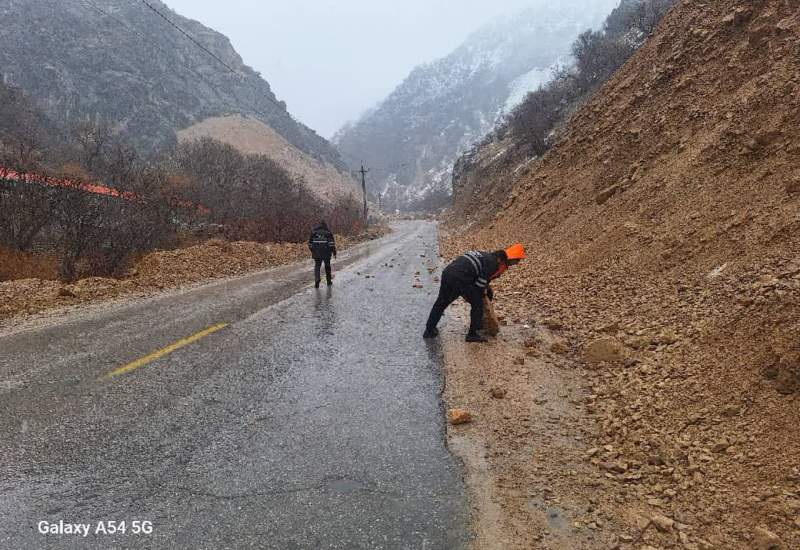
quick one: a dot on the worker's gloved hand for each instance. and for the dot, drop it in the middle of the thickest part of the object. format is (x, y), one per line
(490, 293)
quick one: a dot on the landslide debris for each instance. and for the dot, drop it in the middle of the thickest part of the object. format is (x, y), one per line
(667, 220)
(161, 270)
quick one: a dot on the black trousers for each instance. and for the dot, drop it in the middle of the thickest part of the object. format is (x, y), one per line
(317, 267)
(450, 291)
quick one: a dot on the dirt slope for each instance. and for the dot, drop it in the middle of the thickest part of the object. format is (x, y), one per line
(664, 231)
(252, 136)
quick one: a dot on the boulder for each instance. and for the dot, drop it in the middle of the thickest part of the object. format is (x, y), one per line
(603, 350)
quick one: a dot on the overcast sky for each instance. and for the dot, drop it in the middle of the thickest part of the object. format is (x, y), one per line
(330, 60)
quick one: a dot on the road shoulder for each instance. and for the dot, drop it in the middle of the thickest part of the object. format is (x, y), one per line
(34, 303)
(525, 453)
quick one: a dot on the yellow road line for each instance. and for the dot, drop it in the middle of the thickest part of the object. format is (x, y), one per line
(164, 351)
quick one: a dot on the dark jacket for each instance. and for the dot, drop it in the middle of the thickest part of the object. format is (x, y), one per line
(474, 268)
(321, 243)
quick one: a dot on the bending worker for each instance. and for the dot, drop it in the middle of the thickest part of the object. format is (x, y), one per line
(469, 277)
(322, 246)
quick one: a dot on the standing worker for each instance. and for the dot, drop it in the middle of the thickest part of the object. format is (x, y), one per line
(322, 246)
(469, 277)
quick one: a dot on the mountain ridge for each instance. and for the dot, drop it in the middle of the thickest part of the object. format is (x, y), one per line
(119, 61)
(411, 139)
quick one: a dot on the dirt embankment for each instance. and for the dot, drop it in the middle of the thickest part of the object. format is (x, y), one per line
(664, 232)
(251, 136)
(157, 271)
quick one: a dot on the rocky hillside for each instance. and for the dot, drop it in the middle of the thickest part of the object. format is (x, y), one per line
(412, 138)
(664, 230)
(120, 61)
(251, 136)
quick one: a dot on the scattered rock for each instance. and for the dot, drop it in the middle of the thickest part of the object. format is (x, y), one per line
(662, 523)
(459, 416)
(606, 194)
(764, 539)
(787, 374)
(738, 17)
(603, 350)
(720, 445)
(497, 393)
(730, 410)
(65, 292)
(553, 324)
(560, 347)
(666, 338)
(614, 467)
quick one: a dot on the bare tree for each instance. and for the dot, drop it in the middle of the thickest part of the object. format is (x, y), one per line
(646, 16)
(21, 130)
(250, 196)
(24, 211)
(79, 219)
(24, 206)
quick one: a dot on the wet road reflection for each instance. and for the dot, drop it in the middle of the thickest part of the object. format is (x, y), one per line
(314, 422)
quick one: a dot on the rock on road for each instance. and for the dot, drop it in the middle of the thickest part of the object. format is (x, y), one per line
(306, 419)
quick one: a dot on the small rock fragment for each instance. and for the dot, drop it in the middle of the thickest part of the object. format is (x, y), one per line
(497, 393)
(764, 539)
(662, 523)
(720, 445)
(65, 292)
(560, 347)
(459, 416)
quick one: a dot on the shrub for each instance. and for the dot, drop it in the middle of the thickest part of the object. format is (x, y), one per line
(598, 55)
(251, 197)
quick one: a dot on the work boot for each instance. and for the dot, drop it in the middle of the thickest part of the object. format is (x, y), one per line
(330, 283)
(431, 333)
(477, 338)
(316, 284)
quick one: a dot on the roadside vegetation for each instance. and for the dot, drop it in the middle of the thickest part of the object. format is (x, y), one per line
(598, 55)
(79, 201)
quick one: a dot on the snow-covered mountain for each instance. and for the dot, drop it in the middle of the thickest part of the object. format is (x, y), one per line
(411, 140)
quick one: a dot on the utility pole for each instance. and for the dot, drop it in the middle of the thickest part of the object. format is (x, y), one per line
(364, 172)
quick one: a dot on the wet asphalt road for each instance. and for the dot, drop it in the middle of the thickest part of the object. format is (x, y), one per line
(312, 420)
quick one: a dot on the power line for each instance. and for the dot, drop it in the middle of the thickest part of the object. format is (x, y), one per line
(190, 37)
(147, 40)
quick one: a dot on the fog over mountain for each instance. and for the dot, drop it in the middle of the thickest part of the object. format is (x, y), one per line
(411, 139)
(332, 60)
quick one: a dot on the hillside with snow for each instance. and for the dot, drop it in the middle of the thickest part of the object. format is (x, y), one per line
(411, 140)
